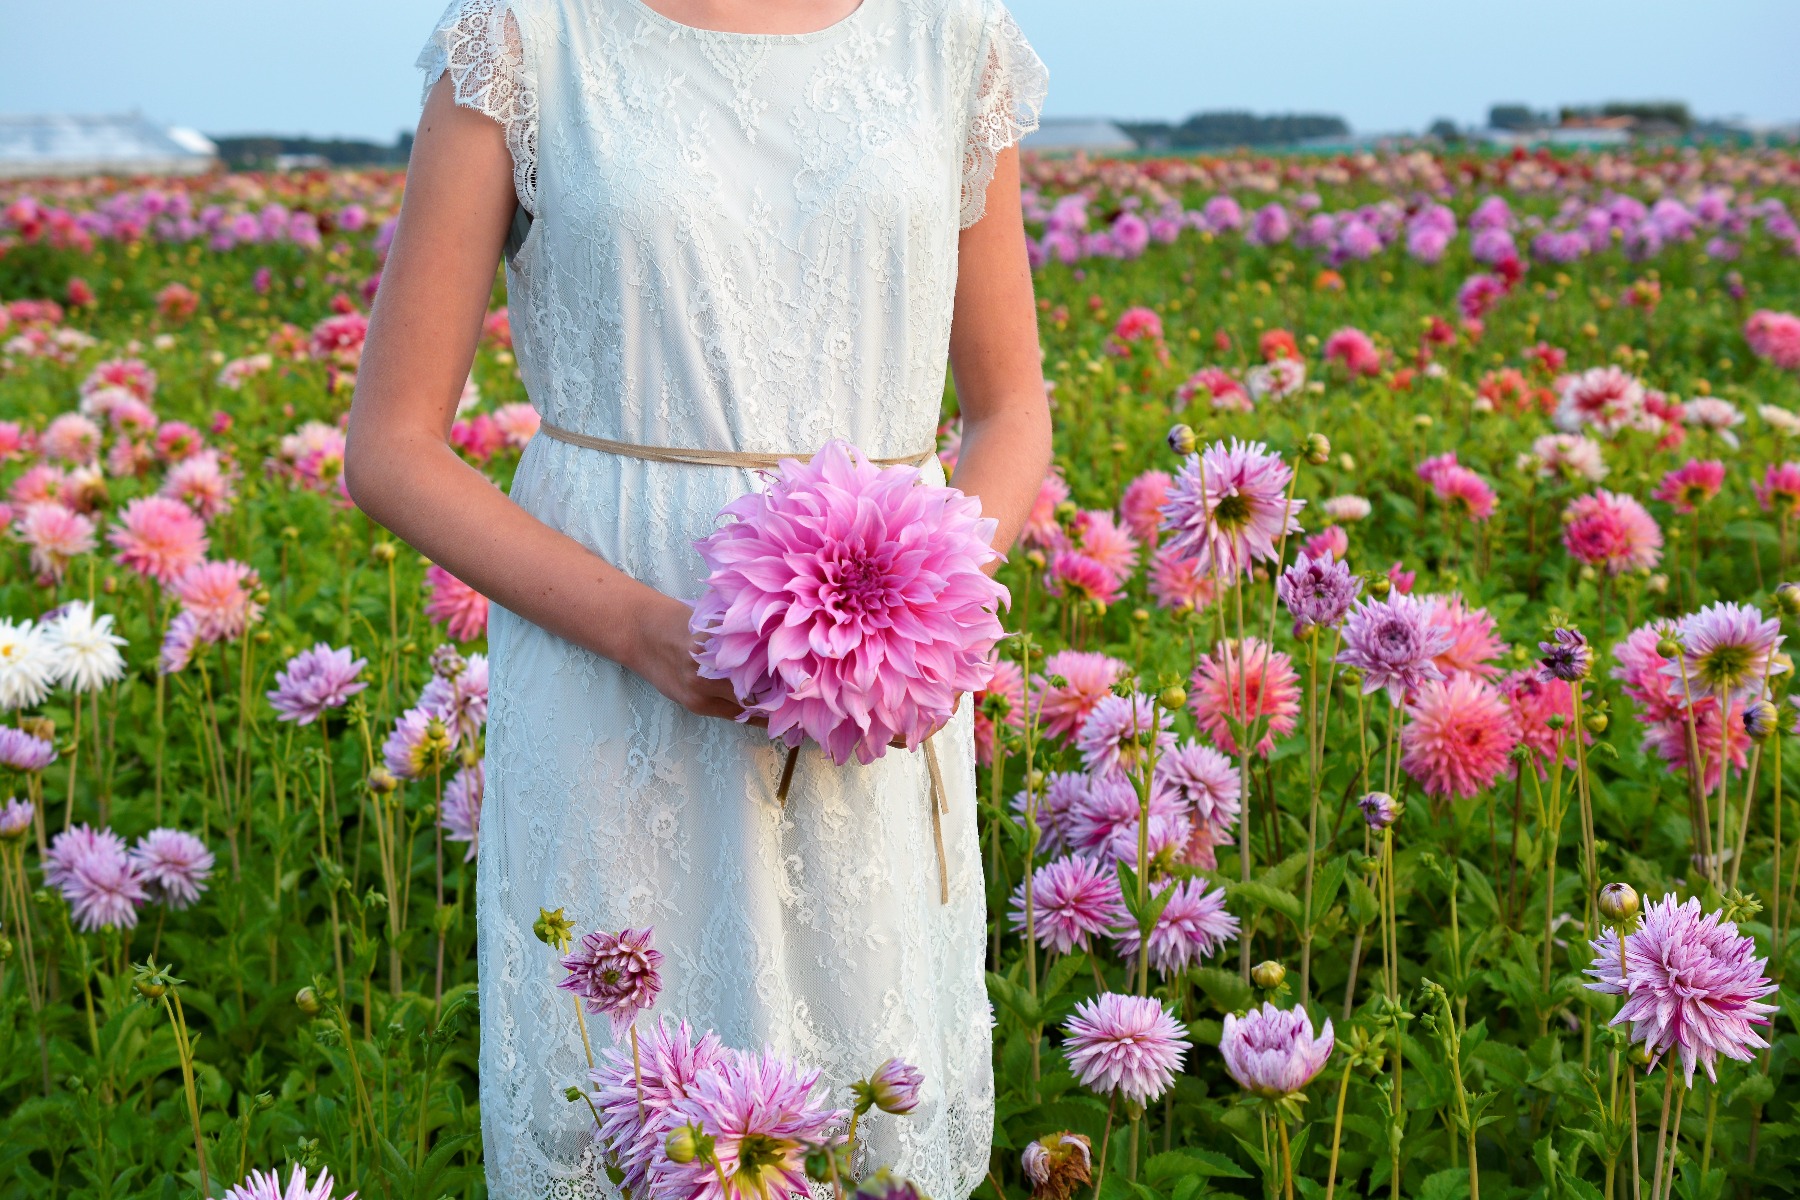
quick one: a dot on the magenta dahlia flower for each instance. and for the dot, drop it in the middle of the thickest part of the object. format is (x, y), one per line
(1606, 399)
(1192, 927)
(1474, 640)
(1692, 984)
(460, 813)
(1780, 489)
(462, 609)
(1533, 700)
(1101, 538)
(1729, 650)
(763, 1115)
(847, 603)
(1250, 687)
(1073, 899)
(1691, 484)
(222, 598)
(616, 973)
(15, 818)
(1393, 643)
(1176, 581)
(173, 866)
(1272, 1052)
(1125, 1044)
(670, 1060)
(1775, 337)
(1229, 509)
(1075, 575)
(1611, 531)
(314, 682)
(1140, 505)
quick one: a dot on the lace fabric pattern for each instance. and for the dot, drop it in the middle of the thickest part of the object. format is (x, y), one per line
(739, 242)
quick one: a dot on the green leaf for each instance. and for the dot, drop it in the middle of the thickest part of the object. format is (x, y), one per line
(1226, 989)
(1014, 999)
(1364, 908)
(1266, 896)
(1179, 1164)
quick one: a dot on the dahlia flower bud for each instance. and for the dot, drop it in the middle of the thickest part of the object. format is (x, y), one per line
(6, 948)
(893, 1088)
(1567, 656)
(1173, 698)
(1596, 722)
(1379, 809)
(1057, 1164)
(307, 1001)
(1668, 647)
(1787, 599)
(1760, 720)
(1034, 558)
(1182, 440)
(382, 552)
(1380, 586)
(571, 1093)
(1268, 975)
(382, 781)
(1618, 902)
(552, 928)
(688, 1143)
(1317, 449)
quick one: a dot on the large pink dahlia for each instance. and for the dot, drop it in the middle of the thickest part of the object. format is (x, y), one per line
(1459, 737)
(1127, 1044)
(847, 603)
(1692, 984)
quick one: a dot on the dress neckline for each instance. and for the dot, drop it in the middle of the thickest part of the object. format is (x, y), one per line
(841, 25)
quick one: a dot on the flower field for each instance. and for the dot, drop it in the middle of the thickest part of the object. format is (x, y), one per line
(1383, 789)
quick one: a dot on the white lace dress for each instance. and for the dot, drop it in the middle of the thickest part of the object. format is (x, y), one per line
(737, 242)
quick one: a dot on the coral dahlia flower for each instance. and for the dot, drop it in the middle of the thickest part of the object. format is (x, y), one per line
(1458, 737)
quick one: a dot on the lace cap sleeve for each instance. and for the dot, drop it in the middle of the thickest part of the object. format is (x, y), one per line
(479, 44)
(1009, 92)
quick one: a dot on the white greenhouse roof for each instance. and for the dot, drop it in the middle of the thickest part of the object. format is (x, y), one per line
(32, 146)
(1095, 134)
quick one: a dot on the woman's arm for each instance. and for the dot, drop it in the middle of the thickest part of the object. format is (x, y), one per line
(399, 467)
(995, 361)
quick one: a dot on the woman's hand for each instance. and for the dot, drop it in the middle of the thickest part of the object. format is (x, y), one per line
(665, 657)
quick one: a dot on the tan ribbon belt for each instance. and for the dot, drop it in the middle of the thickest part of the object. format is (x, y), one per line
(702, 458)
(937, 801)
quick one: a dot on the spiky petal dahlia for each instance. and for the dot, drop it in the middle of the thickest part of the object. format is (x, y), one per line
(1459, 736)
(1125, 1044)
(1073, 682)
(616, 973)
(1317, 591)
(1604, 398)
(1691, 484)
(1116, 737)
(1249, 687)
(1229, 507)
(462, 609)
(314, 682)
(847, 603)
(266, 1185)
(1272, 1051)
(1072, 899)
(763, 1116)
(1692, 984)
(670, 1060)
(159, 538)
(1729, 649)
(1192, 927)
(173, 866)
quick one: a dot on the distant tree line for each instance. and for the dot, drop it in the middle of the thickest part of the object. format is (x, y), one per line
(255, 151)
(1648, 113)
(1218, 129)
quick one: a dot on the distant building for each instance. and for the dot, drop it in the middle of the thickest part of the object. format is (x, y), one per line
(1065, 135)
(37, 146)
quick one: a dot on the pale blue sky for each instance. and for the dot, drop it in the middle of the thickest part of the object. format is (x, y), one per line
(344, 67)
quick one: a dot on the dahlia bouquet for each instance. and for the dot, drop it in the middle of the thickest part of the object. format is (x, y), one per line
(847, 604)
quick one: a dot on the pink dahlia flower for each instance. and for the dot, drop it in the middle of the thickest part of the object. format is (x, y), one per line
(1692, 984)
(1691, 484)
(314, 682)
(1007, 685)
(1533, 700)
(847, 603)
(173, 866)
(203, 482)
(1114, 740)
(97, 877)
(462, 609)
(1041, 528)
(1125, 1044)
(132, 375)
(1605, 399)
(1086, 678)
(1780, 489)
(1229, 507)
(1775, 337)
(1204, 782)
(1612, 532)
(1729, 650)
(1074, 575)
(266, 1185)
(1474, 642)
(1073, 899)
(460, 814)
(1330, 540)
(1218, 385)
(1272, 1052)
(1252, 688)
(1141, 504)
(634, 1124)
(518, 423)
(1353, 348)
(1662, 706)
(222, 598)
(1177, 581)
(763, 1114)
(21, 751)
(1566, 455)
(57, 536)
(1192, 927)
(616, 973)
(339, 339)
(71, 438)
(1466, 492)
(158, 538)
(1101, 539)
(38, 482)
(1458, 737)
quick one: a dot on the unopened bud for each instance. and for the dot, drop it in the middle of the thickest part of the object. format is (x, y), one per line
(1618, 902)
(382, 552)
(307, 1001)
(1173, 698)
(382, 781)
(571, 1093)
(1182, 440)
(1787, 599)
(1760, 720)
(1668, 647)
(1380, 586)
(1318, 449)
(1268, 975)
(1596, 722)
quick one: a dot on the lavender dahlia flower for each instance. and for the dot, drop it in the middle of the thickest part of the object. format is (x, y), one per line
(1392, 642)
(763, 1115)
(315, 681)
(893, 1087)
(1317, 591)
(670, 1060)
(1127, 1044)
(1115, 738)
(1567, 656)
(616, 973)
(15, 818)
(1692, 984)
(1729, 651)
(97, 877)
(266, 1185)
(173, 866)
(1228, 508)
(1073, 899)
(847, 603)
(20, 751)
(1272, 1051)
(1192, 928)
